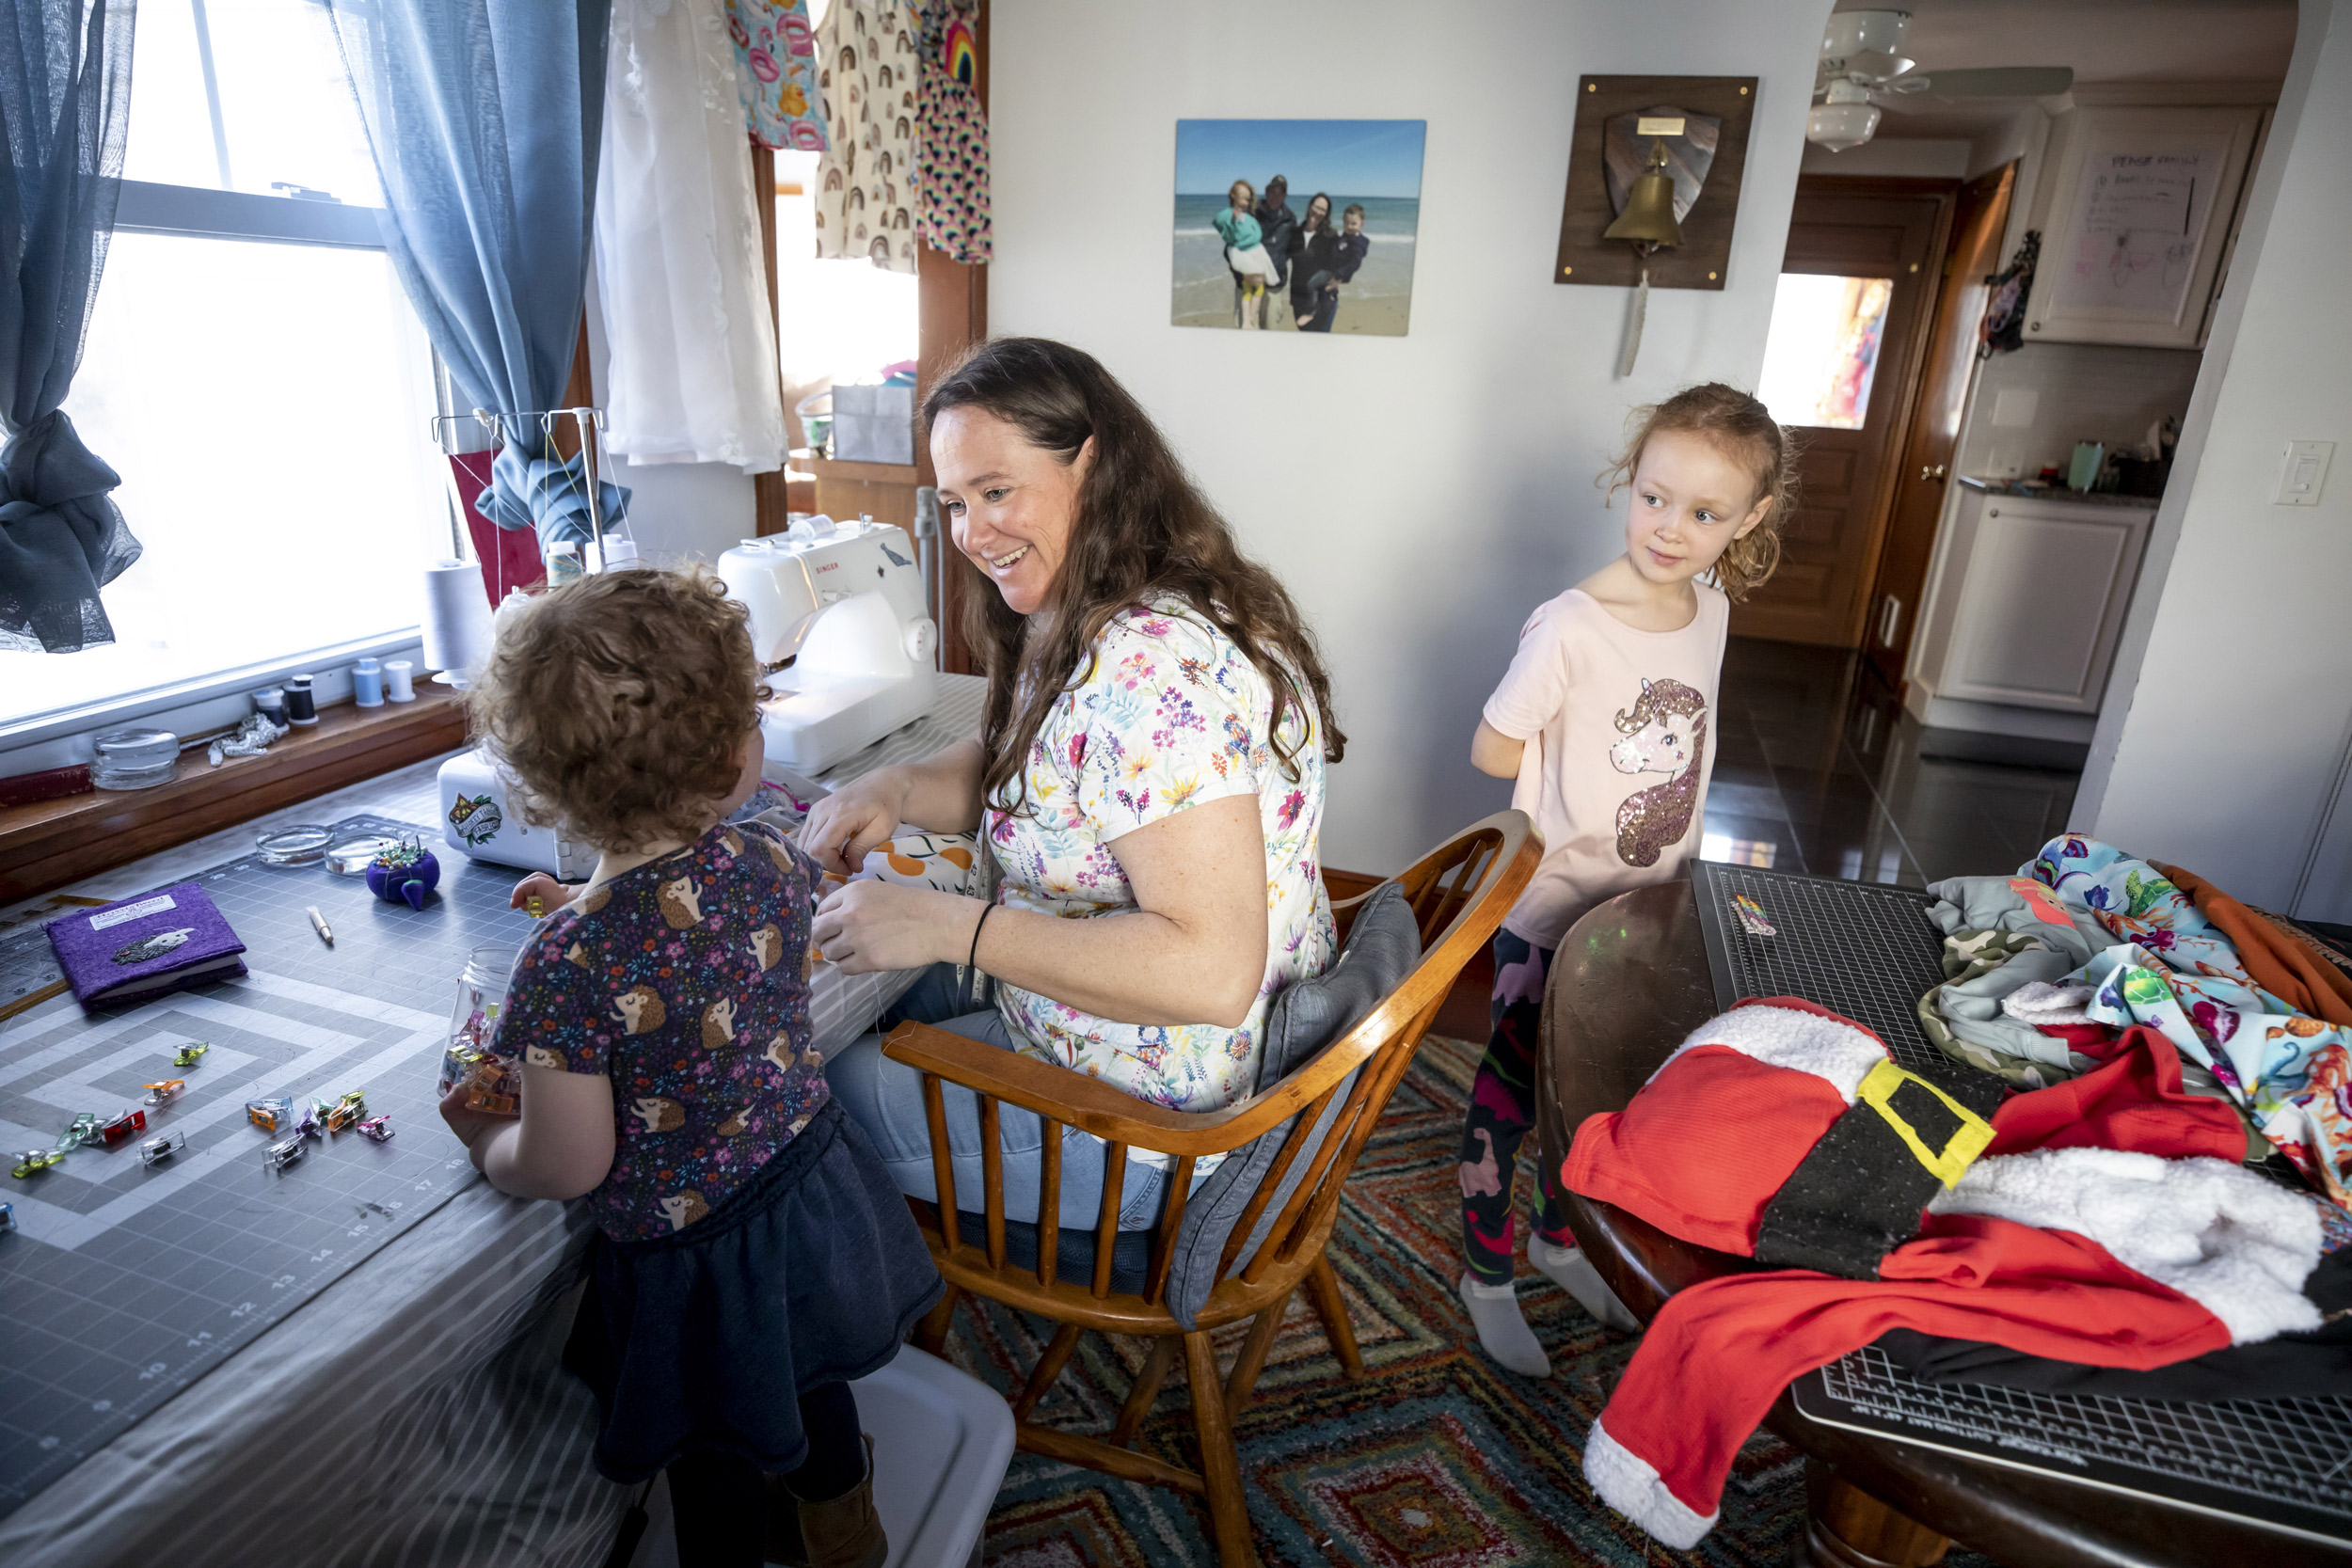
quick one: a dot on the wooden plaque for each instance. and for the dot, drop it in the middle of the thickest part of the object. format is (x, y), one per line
(1703, 257)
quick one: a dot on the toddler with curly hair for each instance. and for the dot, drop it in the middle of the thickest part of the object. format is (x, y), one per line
(752, 1254)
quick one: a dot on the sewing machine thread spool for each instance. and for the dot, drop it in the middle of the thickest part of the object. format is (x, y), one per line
(398, 681)
(367, 683)
(270, 702)
(301, 710)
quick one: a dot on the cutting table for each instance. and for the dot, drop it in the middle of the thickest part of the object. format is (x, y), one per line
(404, 1407)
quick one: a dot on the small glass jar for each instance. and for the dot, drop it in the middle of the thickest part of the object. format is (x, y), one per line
(493, 1082)
(134, 759)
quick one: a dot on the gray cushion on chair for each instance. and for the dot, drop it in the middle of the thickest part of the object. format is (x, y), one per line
(1383, 945)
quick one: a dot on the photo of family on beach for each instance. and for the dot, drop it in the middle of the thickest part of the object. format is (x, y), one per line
(1297, 225)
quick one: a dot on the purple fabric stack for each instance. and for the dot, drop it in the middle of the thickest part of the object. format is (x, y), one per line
(159, 942)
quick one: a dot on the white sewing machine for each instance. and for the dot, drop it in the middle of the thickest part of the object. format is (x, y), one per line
(842, 605)
(478, 819)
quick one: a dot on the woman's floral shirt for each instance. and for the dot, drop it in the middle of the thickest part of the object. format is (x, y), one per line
(1171, 713)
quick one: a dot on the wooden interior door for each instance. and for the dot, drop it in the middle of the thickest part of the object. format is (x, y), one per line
(1979, 215)
(1848, 226)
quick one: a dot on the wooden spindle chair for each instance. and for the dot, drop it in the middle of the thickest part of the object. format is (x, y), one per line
(1458, 893)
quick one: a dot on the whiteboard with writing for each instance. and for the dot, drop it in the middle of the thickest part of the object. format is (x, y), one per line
(2143, 205)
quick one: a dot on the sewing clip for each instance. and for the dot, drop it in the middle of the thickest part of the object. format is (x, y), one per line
(190, 1054)
(122, 1126)
(157, 1150)
(378, 1127)
(82, 1130)
(33, 1160)
(168, 1089)
(281, 1154)
(268, 1115)
(307, 1125)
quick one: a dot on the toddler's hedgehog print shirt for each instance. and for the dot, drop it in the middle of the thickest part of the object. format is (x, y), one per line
(685, 981)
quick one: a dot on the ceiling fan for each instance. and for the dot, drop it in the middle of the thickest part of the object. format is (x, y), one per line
(1862, 67)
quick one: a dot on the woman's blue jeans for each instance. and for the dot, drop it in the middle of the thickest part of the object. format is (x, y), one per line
(886, 1098)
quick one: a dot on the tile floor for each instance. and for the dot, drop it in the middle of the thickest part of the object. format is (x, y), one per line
(1818, 770)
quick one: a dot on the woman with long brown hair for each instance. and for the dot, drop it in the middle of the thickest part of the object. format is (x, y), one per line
(1149, 781)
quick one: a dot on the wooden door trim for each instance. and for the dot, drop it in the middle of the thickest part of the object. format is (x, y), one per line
(1917, 439)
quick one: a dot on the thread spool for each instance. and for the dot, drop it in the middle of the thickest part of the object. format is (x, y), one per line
(398, 684)
(367, 683)
(301, 710)
(270, 702)
(457, 618)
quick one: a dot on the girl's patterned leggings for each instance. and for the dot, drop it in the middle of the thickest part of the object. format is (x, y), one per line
(1501, 1109)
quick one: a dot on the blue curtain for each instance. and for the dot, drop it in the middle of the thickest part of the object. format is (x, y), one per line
(485, 117)
(65, 107)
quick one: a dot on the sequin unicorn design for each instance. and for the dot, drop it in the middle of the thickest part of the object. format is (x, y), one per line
(1665, 731)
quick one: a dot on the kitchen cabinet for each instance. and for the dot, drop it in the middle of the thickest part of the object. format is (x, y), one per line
(2024, 609)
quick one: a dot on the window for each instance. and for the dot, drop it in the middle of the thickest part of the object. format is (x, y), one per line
(845, 319)
(252, 370)
(1822, 349)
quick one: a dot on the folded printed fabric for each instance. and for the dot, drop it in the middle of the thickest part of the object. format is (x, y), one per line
(2101, 1220)
(2174, 969)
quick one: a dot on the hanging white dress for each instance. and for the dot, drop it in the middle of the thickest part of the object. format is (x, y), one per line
(692, 375)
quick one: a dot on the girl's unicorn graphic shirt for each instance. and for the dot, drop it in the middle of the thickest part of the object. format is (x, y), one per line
(1618, 723)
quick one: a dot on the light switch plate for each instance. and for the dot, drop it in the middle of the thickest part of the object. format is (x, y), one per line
(2303, 475)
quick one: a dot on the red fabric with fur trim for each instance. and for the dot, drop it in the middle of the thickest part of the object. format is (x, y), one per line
(2046, 1292)
(1702, 1147)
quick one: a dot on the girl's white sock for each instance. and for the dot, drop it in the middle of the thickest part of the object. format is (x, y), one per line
(1568, 1268)
(1494, 1311)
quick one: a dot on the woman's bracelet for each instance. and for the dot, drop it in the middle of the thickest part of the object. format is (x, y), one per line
(973, 961)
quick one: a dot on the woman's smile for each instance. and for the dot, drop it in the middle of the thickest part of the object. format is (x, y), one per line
(1006, 562)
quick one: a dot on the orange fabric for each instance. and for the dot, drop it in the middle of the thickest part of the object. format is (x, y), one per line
(2279, 964)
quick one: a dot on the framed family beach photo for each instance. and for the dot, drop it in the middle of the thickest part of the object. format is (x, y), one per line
(1297, 225)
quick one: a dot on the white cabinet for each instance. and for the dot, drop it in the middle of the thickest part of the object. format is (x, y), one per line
(2027, 602)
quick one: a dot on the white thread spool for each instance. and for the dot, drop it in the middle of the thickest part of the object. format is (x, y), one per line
(457, 633)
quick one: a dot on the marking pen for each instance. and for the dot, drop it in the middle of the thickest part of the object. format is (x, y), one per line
(318, 924)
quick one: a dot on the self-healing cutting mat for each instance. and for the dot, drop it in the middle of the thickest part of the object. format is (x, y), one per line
(125, 1283)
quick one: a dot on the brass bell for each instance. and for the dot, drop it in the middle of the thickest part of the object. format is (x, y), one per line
(1648, 218)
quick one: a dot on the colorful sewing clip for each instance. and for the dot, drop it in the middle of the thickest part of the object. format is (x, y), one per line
(308, 1124)
(189, 1055)
(378, 1127)
(7, 1218)
(82, 1130)
(157, 1150)
(283, 1153)
(268, 1115)
(536, 907)
(350, 1108)
(125, 1124)
(33, 1162)
(168, 1089)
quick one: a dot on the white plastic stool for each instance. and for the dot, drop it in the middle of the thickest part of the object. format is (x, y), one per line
(942, 1441)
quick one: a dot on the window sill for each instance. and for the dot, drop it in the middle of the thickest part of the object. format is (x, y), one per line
(53, 843)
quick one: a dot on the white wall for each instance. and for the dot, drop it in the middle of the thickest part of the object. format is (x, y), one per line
(1420, 495)
(2225, 754)
(1899, 157)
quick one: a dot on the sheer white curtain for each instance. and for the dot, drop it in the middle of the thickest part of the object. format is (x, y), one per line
(692, 373)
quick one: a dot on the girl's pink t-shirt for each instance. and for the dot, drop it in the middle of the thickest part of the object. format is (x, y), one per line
(1619, 726)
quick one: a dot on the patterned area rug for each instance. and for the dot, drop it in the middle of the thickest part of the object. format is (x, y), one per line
(1438, 1459)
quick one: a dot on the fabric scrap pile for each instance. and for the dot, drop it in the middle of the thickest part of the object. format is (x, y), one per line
(2047, 971)
(2105, 1221)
